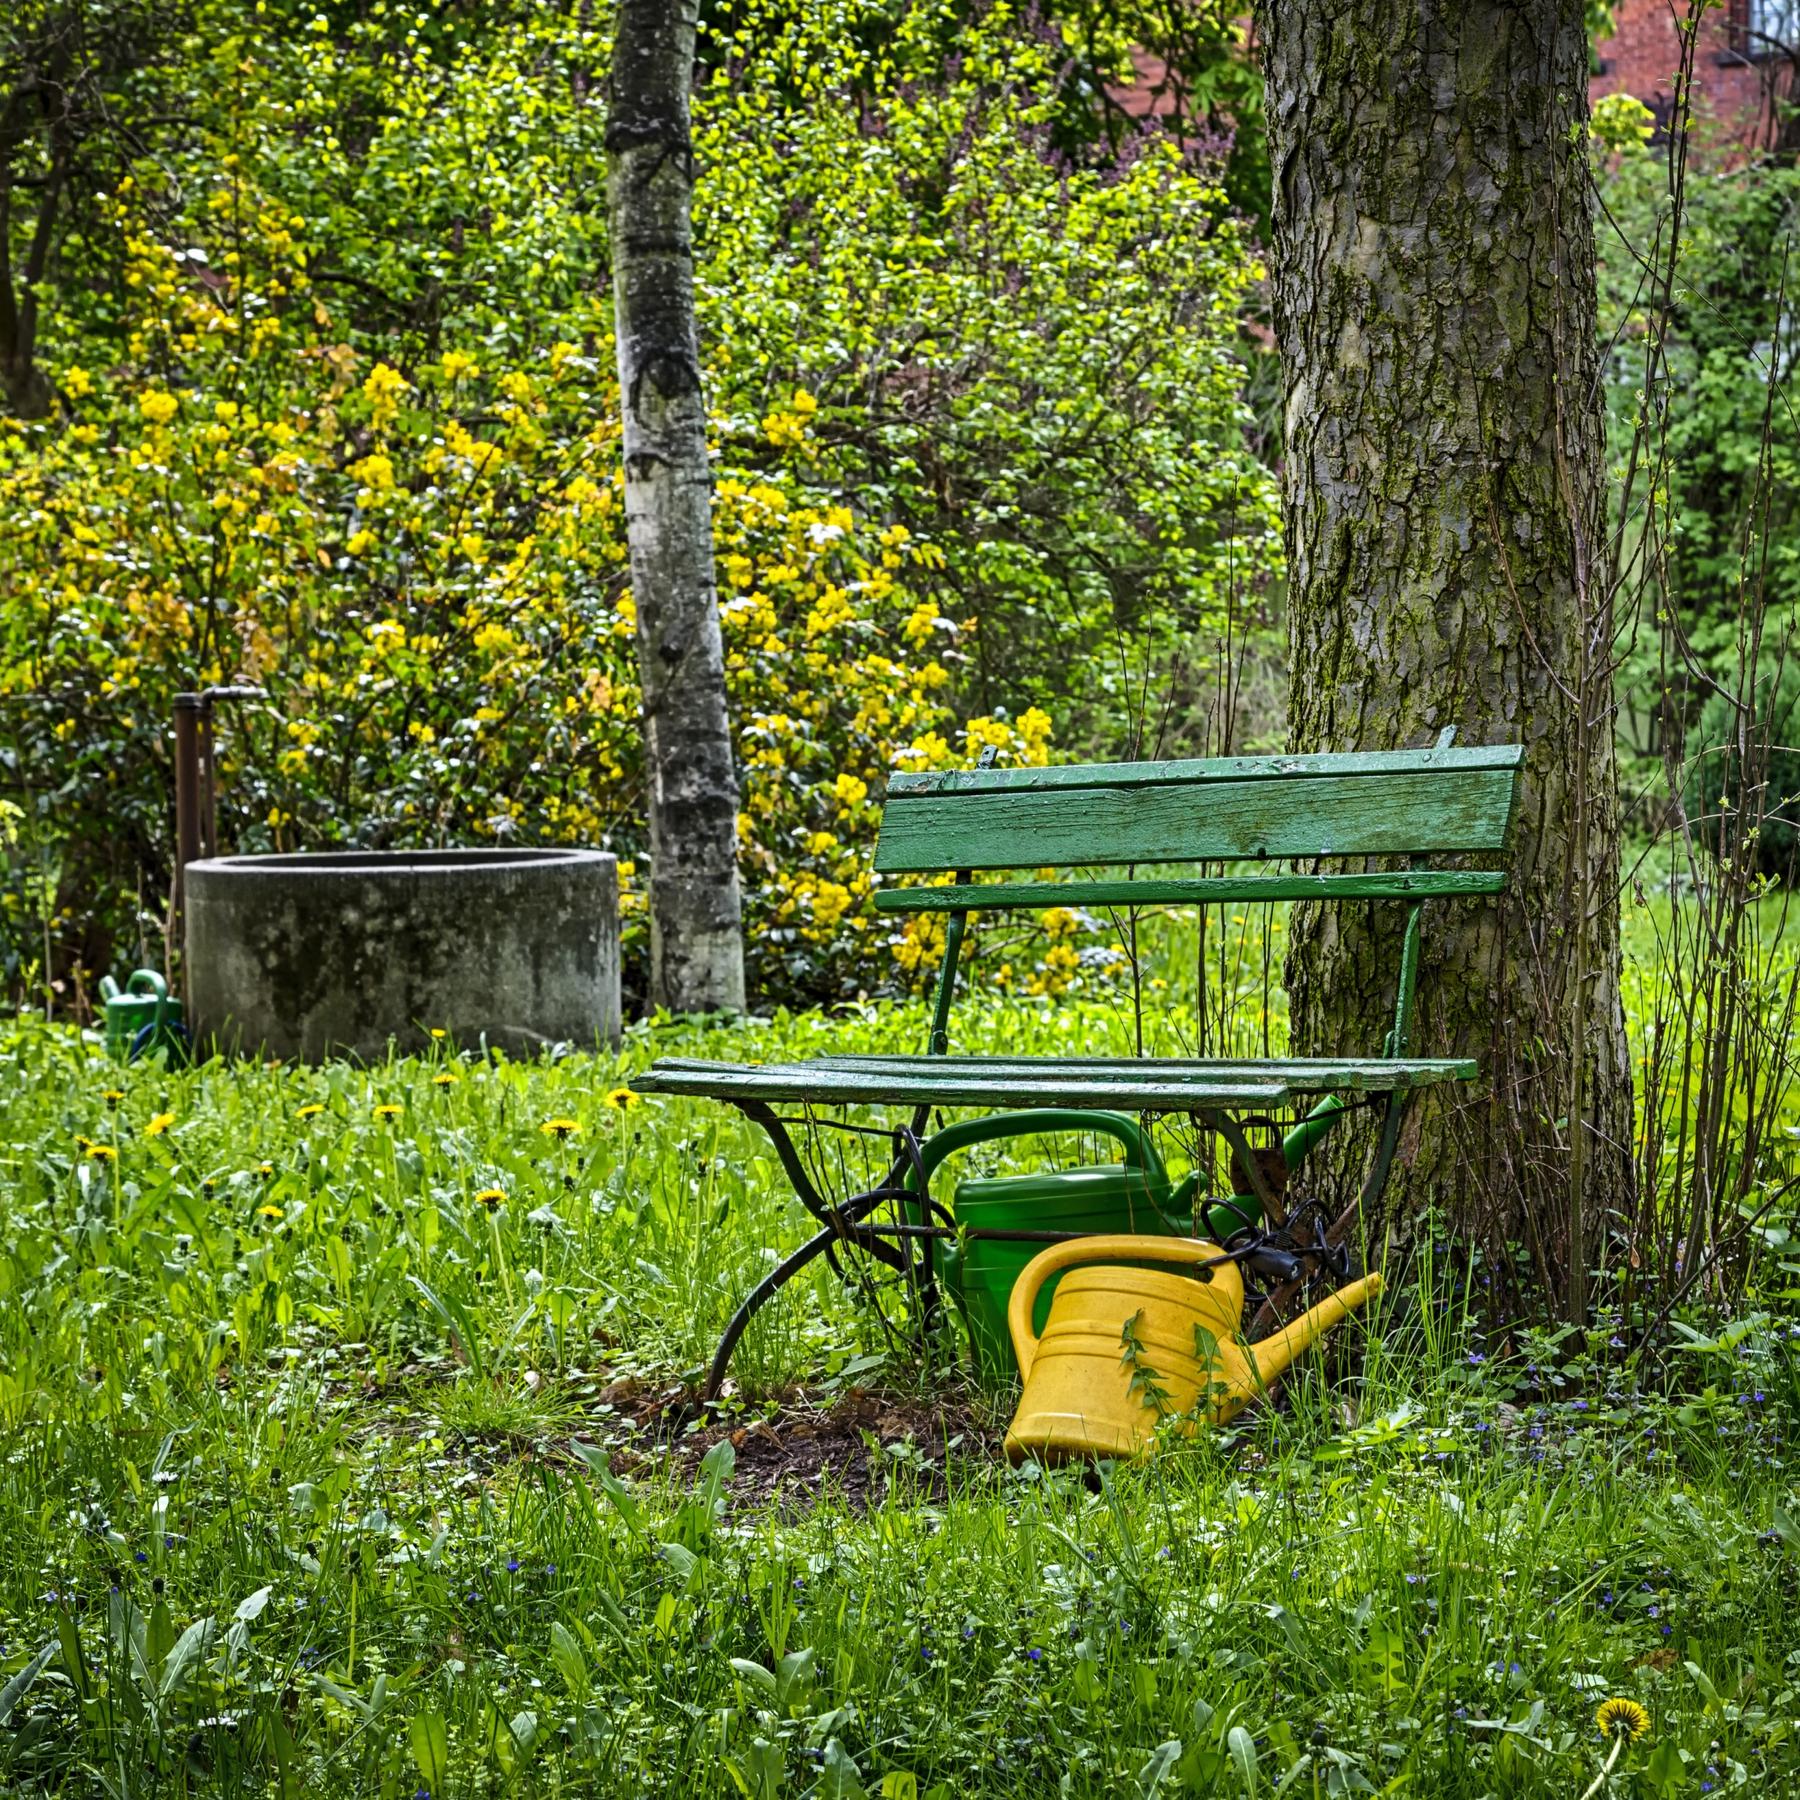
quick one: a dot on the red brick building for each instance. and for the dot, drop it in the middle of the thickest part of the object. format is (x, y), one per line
(1744, 65)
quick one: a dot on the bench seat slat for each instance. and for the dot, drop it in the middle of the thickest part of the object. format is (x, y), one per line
(1402, 884)
(1132, 1085)
(1389, 814)
(1302, 1075)
(919, 1081)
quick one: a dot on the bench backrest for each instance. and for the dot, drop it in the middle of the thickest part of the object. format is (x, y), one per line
(1229, 809)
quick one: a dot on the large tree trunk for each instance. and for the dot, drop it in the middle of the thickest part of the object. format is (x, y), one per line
(696, 933)
(1434, 301)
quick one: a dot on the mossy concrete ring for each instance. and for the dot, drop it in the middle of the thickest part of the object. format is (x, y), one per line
(351, 952)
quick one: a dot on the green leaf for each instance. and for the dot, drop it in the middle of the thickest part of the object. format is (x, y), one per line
(1242, 1747)
(615, 1490)
(1162, 1759)
(251, 1607)
(16, 1689)
(839, 1777)
(191, 1644)
(1785, 1529)
(570, 1663)
(456, 1316)
(430, 1742)
(753, 1672)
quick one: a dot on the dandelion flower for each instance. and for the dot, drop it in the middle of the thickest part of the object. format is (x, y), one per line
(310, 1110)
(270, 1212)
(387, 1112)
(491, 1197)
(112, 1096)
(159, 1125)
(559, 1128)
(437, 1031)
(445, 1079)
(102, 1153)
(622, 1099)
(1619, 1717)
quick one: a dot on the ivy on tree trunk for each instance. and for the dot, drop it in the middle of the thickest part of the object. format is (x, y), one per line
(696, 936)
(1435, 306)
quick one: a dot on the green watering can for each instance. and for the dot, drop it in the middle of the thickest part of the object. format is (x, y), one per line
(1134, 1196)
(142, 1018)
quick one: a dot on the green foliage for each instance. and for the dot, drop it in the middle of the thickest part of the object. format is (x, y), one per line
(1728, 529)
(339, 419)
(333, 1470)
(1716, 786)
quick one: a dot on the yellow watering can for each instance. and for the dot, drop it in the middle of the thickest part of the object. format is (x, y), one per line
(1125, 1347)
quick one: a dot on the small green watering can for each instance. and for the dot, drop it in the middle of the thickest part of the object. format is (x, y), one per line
(142, 1018)
(1134, 1197)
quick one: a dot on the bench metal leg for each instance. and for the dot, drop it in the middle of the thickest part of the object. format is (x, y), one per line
(841, 1225)
(784, 1271)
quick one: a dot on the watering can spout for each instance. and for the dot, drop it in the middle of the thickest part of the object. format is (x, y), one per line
(1274, 1355)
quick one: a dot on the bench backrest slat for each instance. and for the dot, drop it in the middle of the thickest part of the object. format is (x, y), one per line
(1402, 884)
(1220, 809)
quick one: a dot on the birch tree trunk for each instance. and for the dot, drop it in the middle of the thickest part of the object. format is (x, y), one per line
(1435, 306)
(696, 929)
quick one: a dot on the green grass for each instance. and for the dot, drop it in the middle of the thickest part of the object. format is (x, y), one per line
(291, 1504)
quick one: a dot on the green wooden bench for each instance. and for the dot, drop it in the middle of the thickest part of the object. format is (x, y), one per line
(1394, 805)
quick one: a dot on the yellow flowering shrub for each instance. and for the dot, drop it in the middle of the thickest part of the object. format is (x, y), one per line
(336, 418)
(425, 574)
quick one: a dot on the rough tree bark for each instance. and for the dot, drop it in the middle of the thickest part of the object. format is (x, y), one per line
(696, 935)
(1435, 305)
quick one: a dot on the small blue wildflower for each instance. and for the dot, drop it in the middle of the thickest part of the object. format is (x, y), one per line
(142, 1556)
(512, 1565)
(1034, 1654)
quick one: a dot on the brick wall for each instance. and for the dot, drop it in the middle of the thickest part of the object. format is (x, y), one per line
(1735, 72)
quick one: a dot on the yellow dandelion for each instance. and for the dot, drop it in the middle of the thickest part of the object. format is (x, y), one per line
(1620, 1717)
(491, 1197)
(102, 1152)
(158, 1125)
(445, 1079)
(388, 1111)
(265, 1169)
(112, 1096)
(559, 1128)
(437, 1031)
(310, 1110)
(270, 1212)
(622, 1099)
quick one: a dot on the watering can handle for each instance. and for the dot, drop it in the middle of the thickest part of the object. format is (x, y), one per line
(147, 981)
(1120, 1247)
(1140, 1152)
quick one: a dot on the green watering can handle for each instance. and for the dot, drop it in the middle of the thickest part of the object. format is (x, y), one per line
(1140, 1153)
(147, 981)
